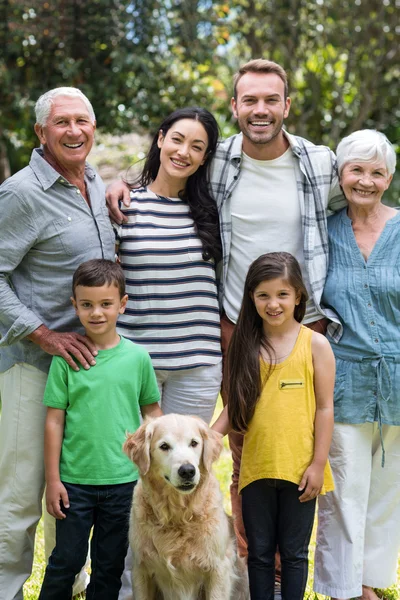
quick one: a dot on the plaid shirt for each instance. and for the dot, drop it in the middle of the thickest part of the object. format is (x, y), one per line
(319, 195)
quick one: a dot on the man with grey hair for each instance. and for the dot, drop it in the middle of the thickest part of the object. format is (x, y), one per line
(53, 217)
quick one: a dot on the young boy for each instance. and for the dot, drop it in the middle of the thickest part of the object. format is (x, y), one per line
(89, 479)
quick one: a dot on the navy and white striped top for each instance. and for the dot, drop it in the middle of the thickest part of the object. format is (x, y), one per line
(173, 304)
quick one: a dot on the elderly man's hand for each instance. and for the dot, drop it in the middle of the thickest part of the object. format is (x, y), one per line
(66, 345)
(115, 192)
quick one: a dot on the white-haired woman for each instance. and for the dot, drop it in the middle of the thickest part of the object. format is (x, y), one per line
(358, 537)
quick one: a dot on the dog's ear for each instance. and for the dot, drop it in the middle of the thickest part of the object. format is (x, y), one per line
(137, 446)
(212, 445)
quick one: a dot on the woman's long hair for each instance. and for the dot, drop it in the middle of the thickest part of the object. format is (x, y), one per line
(243, 362)
(203, 208)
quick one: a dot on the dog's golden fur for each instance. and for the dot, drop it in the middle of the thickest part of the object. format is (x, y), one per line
(182, 540)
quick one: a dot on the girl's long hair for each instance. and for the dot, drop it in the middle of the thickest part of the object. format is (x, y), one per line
(203, 208)
(243, 361)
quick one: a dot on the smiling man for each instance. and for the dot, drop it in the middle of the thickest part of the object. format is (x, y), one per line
(273, 192)
(52, 218)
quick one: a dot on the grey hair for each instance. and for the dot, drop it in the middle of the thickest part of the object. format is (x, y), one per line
(366, 145)
(45, 102)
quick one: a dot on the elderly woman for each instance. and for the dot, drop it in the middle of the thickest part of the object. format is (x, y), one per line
(359, 534)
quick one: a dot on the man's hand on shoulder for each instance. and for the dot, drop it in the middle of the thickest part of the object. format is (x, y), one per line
(66, 345)
(116, 191)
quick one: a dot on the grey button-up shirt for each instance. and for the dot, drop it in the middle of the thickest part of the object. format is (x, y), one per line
(47, 230)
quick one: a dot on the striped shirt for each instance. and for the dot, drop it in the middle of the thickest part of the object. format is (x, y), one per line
(319, 194)
(173, 302)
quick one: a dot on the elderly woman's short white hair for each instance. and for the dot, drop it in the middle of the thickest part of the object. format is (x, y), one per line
(45, 102)
(366, 145)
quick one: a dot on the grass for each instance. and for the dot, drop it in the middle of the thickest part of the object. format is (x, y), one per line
(223, 471)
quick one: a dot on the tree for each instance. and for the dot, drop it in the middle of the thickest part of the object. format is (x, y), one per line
(137, 60)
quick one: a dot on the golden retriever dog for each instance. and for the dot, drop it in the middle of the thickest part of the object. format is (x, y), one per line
(182, 540)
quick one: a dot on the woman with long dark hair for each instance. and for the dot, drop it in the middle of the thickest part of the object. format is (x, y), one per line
(168, 249)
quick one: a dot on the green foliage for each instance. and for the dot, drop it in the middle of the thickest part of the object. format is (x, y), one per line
(137, 60)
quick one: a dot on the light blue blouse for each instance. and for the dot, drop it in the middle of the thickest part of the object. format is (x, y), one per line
(366, 297)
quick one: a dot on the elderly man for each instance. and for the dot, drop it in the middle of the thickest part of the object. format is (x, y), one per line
(52, 218)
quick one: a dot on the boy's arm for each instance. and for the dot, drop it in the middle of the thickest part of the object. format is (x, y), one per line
(324, 382)
(53, 437)
(222, 424)
(151, 410)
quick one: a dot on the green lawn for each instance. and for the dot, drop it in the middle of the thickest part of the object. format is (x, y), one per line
(223, 472)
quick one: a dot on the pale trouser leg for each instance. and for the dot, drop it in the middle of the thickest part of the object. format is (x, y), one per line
(125, 593)
(342, 513)
(49, 528)
(21, 473)
(190, 391)
(382, 532)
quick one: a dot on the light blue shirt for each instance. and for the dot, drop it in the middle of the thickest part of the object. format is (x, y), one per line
(366, 297)
(47, 230)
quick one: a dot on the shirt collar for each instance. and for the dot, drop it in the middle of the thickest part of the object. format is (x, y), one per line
(47, 175)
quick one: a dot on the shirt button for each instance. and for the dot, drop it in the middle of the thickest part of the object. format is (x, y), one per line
(375, 393)
(372, 322)
(376, 340)
(365, 285)
(78, 191)
(369, 304)
(69, 219)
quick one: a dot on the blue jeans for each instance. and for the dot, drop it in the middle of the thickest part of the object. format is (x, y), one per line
(273, 516)
(106, 508)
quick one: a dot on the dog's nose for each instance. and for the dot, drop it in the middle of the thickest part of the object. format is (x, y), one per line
(186, 471)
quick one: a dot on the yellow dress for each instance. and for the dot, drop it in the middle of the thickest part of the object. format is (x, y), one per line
(279, 443)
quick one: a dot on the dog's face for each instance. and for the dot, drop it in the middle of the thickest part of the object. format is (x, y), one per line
(175, 448)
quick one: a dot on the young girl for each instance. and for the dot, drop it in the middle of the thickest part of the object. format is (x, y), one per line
(281, 378)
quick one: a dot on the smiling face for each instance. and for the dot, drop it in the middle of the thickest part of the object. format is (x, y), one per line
(182, 150)
(98, 309)
(68, 135)
(260, 108)
(364, 183)
(275, 301)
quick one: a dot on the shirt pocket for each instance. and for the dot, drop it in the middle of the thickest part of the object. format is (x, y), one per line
(75, 235)
(291, 384)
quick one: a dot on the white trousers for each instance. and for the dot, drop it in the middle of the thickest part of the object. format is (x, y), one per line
(358, 537)
(190, 391)
(21, 476)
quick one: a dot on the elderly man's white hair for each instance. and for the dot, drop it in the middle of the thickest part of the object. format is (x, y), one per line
(366, 145)
(44, 104)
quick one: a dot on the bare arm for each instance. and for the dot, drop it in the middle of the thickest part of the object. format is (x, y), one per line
(222, 424)
(53, 437)
(65, 345)
(324, 381)
(151, 410)
(116, 191)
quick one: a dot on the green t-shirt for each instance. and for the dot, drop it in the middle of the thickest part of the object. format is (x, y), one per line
(101, 405)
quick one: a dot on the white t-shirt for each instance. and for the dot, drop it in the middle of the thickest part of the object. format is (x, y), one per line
(266, 217)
